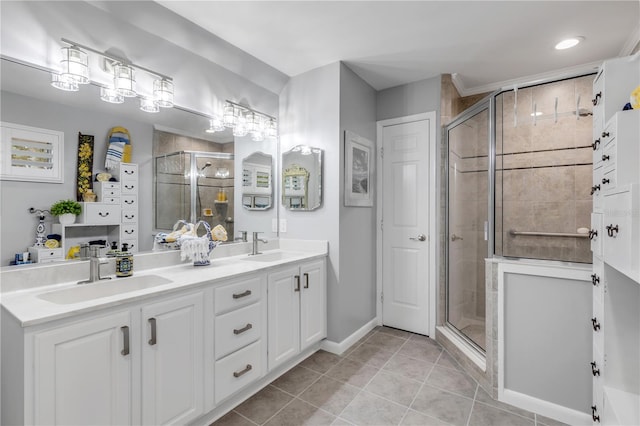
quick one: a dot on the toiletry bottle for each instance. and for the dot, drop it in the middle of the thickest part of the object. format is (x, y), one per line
(124, 262)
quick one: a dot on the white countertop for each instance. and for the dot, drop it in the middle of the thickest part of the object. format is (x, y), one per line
(29, 309)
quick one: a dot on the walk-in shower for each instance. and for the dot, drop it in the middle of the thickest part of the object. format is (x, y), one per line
(518, 185)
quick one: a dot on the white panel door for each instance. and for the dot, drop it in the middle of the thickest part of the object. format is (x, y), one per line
(173, 360)
(405, 239)
(82, 376)
(284, 315)
(313, 303)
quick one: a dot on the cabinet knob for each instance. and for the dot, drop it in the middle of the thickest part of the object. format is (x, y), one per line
(612, 230)
(594, 411)
(605, 157)
(595, 279)
(596, 99)
(595, 188)
(594, 370)
(592, 234)
(605, 134)
(595, 144)
(605, 181)
(595, 324)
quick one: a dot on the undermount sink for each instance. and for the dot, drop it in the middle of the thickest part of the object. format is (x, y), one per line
(270, 257)
(85, 292)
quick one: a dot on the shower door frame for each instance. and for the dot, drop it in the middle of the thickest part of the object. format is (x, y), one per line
(487, 103)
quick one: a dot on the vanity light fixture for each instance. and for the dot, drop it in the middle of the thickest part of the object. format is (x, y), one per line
(75, 71)
(111, 95)
(246, 121)
(569, 42)
(148, 105)
(75, 65)
(215, 125)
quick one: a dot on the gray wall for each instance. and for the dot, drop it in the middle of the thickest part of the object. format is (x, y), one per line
(409, 99)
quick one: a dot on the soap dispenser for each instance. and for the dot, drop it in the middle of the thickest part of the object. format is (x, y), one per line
(124, 262)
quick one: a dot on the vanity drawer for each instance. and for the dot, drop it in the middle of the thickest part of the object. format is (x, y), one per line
(128, 172)
(129, 202)
(106, 190)
(129, 188)
(238, 294)
(100, 214)
(237, 329)
(238, 370)
(131, 244)
(110, 200)
(609, 180)
(129, 216)
(129, 231)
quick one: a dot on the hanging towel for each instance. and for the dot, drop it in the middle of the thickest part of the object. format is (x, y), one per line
(119, 148)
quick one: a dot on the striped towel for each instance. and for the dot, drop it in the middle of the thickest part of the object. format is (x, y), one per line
(119, 148)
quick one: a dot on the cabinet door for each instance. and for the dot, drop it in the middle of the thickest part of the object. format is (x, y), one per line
(284, 315)
(173, 360)
(313, 303)
(83, 373)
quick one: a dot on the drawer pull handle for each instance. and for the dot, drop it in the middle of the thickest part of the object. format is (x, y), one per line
(129, 186)
(595, 188)
(595, 144)
(605, 134)
(129, 216)
(595, 323)
(129, 202)
(125, 340)
(243, 329)
(243, 294)
(592, 234)
(154, 336)
(306, 280)
(243, 372)
(297, 287)
(129, 172)
(596, 98)
(605, 181)
(103, 214)
(605, 157)
(595, 371)
(129, 231)
(594, 410)
(612, 231)
(595, 279)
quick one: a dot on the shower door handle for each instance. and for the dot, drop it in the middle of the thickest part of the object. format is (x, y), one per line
(420, 237)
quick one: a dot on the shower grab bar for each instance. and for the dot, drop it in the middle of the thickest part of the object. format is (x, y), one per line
(549, 234)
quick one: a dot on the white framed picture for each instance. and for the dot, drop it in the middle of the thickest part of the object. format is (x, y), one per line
(359, 158)
(31, 154)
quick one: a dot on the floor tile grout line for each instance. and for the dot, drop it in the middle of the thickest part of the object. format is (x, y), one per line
(244, 417)
(473, 404)
(294, 397)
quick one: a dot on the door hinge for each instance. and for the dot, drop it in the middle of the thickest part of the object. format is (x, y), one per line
(382, 152)
(381, 297)
(382, 225)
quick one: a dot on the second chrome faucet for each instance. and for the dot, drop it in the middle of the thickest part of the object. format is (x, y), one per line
(255, 241)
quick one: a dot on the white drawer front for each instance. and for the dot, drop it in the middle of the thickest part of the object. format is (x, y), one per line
(238, 294)
(617, 230)
(129, 231)
(110, 200)
(596, 234)
(109, 193)
(238, 370)
(609, 180)
(237, 329)
(100, 214)
(131, 244)
(129, 216)
(129, 202)
(129, 188)
(128, 172)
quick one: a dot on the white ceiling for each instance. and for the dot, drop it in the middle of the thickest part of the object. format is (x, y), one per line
(486, 44)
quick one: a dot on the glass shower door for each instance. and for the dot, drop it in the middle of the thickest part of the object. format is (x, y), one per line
(468, 222)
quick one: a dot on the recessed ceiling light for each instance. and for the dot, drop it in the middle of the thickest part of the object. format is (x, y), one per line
(569, 42)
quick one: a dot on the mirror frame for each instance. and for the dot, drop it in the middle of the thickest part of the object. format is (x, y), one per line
(293, 169)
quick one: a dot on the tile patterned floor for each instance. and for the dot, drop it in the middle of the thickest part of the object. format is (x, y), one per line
(389, 377)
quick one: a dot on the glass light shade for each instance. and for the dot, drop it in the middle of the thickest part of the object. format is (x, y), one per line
(75, 65)
(148, 105)
(111, 95)
(271, 129)
(215, 125)
(254, 122)
(229, 118)
(241, 126)
(163, 93)
(124, 80)
(63, 83)
(257, 136)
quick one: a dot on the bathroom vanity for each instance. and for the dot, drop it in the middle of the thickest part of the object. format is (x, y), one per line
(173, 344)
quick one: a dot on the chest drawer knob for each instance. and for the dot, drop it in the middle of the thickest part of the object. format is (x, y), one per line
(605, 134)
(595, 144)
(606, 181)
(594, 370)
(595, 279)
(243, 329)
(595, 324)
(243, 372)
(241, 295)
(605, 157)
(612, 230)
(596, 99)
(103, 214)
(595, 188)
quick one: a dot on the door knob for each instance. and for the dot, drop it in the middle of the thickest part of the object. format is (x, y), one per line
(420, 237)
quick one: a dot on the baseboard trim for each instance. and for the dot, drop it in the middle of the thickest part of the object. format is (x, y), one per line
(545, 408)
(339, 348)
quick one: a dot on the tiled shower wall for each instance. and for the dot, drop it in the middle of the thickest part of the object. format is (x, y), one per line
(543, 169)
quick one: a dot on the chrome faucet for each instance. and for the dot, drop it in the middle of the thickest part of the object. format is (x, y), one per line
(242, 237)
(255, 243)
(94, 265)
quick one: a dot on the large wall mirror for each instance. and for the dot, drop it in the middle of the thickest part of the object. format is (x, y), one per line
(302, 178)
(201, 173)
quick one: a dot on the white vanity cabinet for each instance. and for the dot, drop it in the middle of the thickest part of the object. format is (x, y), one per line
(297, 310)
(83, 372)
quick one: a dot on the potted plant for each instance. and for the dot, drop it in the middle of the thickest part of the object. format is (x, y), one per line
(66, 210)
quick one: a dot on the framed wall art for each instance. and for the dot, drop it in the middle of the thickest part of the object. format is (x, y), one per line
(359, 160)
